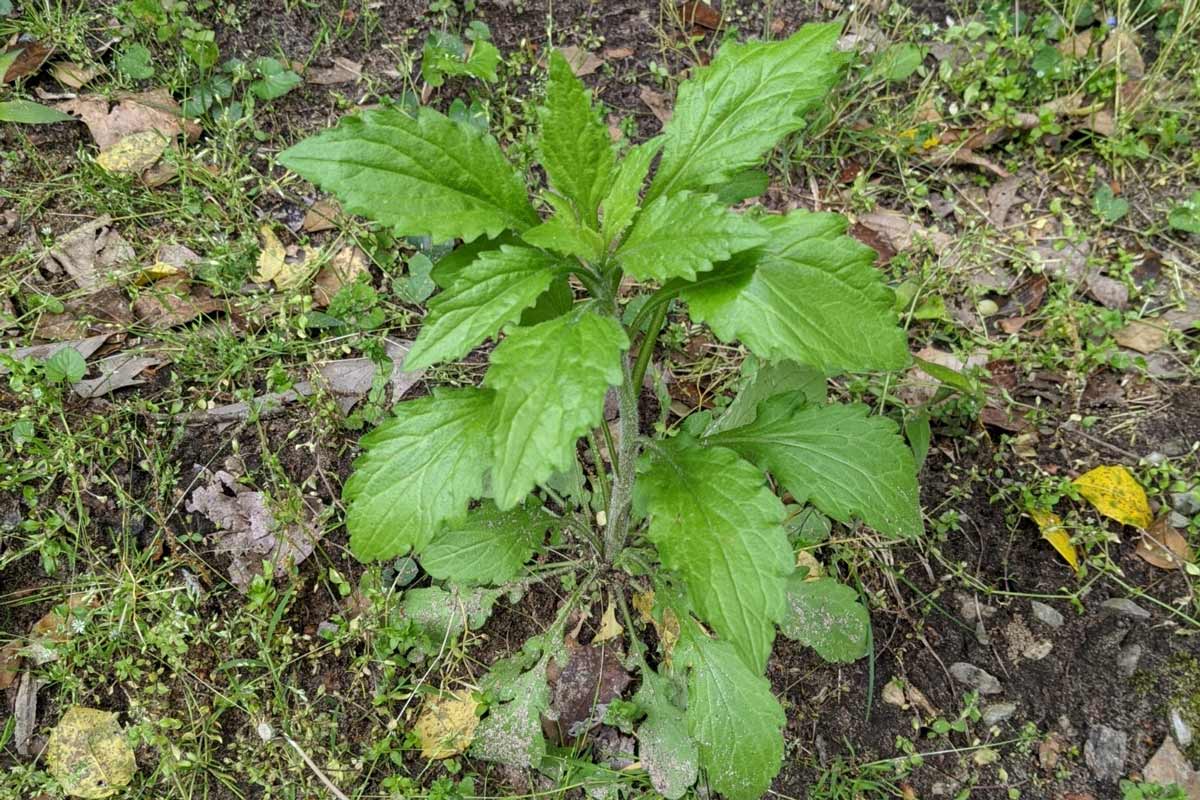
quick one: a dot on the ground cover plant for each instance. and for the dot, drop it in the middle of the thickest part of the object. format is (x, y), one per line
(690, 513)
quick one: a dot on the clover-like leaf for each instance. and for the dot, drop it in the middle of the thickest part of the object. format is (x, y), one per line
(423, 175)
(844, 462)
(419, 469)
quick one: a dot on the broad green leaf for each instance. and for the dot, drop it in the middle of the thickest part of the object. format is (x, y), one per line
(739, 107)
(621, 203)
(665, 747)
(554, 302)
(720, 528)
(487, 294)
(423, 175)
(275, 79)
(65, 366)
(565, 235)
(550, 381)
(686, 233)
(736, 721)
(447, 268)
(575, 148)
(827, 616)
(446, 54)
(489, 546)
(838, 458)
(420, 469)
(763, 380)
(743, 186)
(511, 733)
(811, 294)
(27, 112)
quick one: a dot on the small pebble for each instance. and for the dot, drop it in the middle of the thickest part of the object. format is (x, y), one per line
(1177, 520)
(1105, 752)
(981, 680)
(997, 712)
(1187, 503)
(1125, 607)
(1128, 658)
(1048, 615)
(1179, 727)
(988, 308)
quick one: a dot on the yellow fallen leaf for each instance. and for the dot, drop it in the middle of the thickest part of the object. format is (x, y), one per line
(1050, 524)
(133, 154)
(271, 257)
(609, 627)
(446, 725)
(1116, 494)
(805, 558)
(88, 753)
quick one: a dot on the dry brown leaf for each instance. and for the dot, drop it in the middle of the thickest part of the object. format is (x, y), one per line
(173, 301)
(583, 62)
(1164, 547)
(697, 14)
(10, 663)
(581, 689)
(657, 103)
(323, 215)
(116, 372)
(901, 233)
(68, 73)
(29, 60)
(91, 252)
(105, 311)
(343, 71)
(347, 266)
(1120, 48)
(1002, 196)
(154, 110)
(615, 53)
(1078, 45)
(1142, 335)
(25, 712)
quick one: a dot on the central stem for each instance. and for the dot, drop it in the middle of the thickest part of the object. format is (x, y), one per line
(621, 500)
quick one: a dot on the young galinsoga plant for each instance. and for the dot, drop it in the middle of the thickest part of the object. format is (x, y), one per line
(459, 478)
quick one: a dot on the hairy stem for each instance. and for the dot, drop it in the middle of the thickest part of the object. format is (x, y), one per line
(617, 523)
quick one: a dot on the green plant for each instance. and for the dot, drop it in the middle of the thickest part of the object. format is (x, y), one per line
(471, 479)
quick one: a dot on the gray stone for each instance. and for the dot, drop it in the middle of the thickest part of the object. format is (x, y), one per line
(1187, 503)
(981, 680)
(1177, 520)
(1128, 658)
(1123, 606)
(1180, 728)
(1105, 752)
(1047, 615)
(997, 712)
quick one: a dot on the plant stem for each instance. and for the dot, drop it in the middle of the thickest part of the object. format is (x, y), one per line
(601, 472)
(617, 522)
(647, 348)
